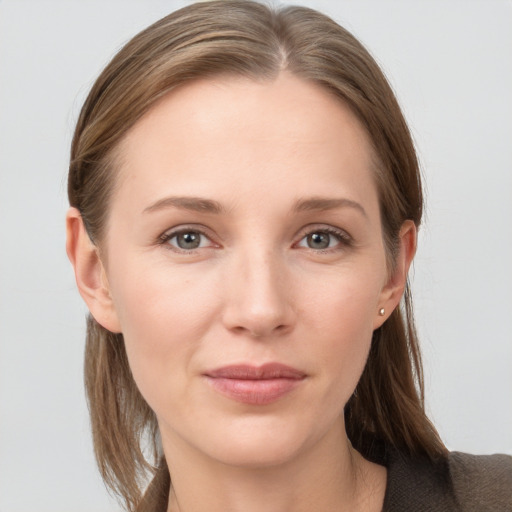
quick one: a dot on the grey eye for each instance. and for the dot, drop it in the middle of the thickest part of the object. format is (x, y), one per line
(318, 240)
(188, 240)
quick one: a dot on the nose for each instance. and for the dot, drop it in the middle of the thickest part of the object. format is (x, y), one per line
(259, 298)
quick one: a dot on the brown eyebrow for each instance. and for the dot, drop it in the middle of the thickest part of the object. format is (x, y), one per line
(325, 203)
(196, 204)
(199, 204)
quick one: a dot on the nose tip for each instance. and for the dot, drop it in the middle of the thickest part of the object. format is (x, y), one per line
(259, 302)
(259, 317)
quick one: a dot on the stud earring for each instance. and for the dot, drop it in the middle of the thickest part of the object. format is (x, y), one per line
(382, 311)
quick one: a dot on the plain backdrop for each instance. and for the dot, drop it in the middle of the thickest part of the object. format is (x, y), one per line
(450, 63)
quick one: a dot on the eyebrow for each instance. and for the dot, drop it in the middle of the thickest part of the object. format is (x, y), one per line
(326, 203)
(196, 204)
(199, 204)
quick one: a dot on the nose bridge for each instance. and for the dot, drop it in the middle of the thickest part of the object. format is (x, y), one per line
(258, 301)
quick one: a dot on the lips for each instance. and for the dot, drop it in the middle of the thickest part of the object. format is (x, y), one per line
(255, 385)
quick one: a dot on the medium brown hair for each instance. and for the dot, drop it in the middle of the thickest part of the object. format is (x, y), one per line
(245, 38)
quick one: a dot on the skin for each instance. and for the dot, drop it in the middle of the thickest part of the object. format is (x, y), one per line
(256, 290)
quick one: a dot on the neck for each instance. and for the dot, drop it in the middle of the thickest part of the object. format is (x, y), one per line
(330, 475)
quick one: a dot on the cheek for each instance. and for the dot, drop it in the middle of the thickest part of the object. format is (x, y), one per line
(163, 314)
(342, 315)
(345, 302)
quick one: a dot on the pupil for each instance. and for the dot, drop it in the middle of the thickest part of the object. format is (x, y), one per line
(189, 240)
(318, 240)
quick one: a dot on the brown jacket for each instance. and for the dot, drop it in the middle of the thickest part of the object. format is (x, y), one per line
(462, 483)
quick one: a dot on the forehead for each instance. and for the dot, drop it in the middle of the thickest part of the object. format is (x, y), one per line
(233, 134)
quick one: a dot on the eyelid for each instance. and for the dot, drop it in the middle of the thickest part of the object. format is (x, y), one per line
(184, 228)
(345, 239)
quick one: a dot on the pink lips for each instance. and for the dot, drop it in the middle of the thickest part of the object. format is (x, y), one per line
(253, 385)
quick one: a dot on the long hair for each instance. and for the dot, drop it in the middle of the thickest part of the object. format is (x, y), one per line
(248, 39)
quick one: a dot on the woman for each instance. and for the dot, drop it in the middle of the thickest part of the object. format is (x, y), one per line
(245, 199)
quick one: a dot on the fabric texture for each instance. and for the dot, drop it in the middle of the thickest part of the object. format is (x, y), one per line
(460, 483)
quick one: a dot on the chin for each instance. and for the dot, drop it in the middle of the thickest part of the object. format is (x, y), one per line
(257, 453)
(258, 443)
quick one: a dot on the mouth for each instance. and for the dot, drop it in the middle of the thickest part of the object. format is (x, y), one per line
(255, 385)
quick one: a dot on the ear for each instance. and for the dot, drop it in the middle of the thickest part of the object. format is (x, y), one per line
(90, 274)
(395, 286)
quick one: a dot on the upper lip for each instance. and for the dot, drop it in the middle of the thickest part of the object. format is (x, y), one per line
(251, 372)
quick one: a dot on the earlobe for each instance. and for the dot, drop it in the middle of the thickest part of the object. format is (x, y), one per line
(395, 286)
(90, 275)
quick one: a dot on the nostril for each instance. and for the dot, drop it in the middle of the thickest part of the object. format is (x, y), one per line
(260, 333)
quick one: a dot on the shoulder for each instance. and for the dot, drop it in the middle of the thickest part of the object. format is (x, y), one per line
(460, 482)
(482, 482)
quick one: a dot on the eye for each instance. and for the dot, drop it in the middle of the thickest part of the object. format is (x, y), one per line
(322, 239)
(186, 240)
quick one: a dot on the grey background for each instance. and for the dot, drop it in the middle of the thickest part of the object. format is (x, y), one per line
(450, 64)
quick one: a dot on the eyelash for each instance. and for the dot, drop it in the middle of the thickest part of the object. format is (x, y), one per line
(165, 238)
(343, 238)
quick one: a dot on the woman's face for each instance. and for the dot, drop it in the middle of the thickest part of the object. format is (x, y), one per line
(246, 266)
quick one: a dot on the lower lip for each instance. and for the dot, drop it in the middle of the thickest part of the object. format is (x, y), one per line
(254, 391)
